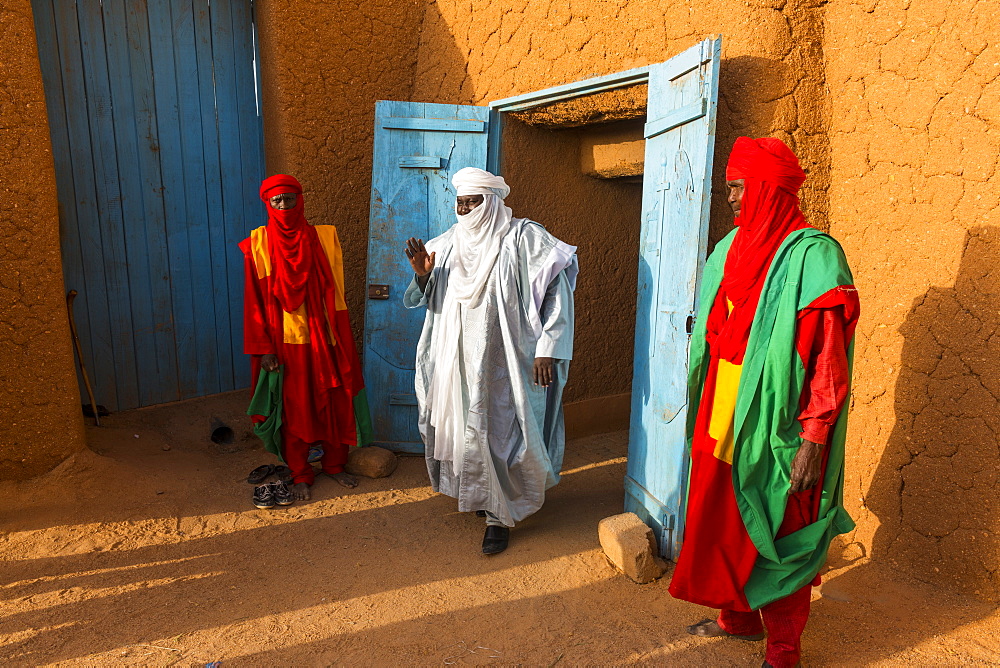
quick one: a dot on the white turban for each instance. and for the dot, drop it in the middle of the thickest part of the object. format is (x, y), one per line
(475, 181)
(477, 238)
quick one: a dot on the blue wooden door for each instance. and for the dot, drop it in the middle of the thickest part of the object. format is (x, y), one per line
(417, 149)
(680, 139)
(158, 146)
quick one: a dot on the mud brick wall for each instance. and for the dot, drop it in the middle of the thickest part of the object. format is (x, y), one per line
(324, 65)
(915, 199)
(39, 400)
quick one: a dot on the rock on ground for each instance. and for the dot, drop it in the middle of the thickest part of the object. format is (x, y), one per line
(629, 545)
(371, 462)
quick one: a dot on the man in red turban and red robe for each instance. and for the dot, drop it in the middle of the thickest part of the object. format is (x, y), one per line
(295, 319)
(768, 381)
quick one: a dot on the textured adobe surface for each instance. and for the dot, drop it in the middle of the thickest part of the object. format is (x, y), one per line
(323, 67)
(914, 139)
(613, 151)
(39, 399)
(609, 106)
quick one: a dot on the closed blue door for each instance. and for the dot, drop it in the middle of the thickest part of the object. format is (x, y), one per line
(680, 139)
(158, 148)
(417, 148)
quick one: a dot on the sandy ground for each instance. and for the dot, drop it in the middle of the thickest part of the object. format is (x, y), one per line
(145, 550)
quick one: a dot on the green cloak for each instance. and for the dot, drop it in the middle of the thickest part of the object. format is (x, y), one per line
(266, 401)
(766, 428)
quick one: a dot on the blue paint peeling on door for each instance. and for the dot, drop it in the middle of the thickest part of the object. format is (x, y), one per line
(417, 148)
(680, 140)
(158, 148)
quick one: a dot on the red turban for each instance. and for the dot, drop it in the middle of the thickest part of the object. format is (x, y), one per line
(767, 159)
(769, 212)
(292, 242)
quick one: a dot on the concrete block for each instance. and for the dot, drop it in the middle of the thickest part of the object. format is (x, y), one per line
(371, 462)
(630, 546)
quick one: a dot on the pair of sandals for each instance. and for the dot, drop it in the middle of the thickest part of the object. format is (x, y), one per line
(265, 471)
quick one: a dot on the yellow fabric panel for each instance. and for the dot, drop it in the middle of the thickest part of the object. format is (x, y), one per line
(727, 382)
(331, 245)
(258, 250)
(296, 326)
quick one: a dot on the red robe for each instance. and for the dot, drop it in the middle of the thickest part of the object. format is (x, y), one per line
(322, 372)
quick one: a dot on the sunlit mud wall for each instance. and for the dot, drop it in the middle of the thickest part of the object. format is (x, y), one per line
(39, 399)
(324, 65)
(915, 199)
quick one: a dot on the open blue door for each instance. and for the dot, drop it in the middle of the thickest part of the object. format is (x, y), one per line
(680, 140)
(417, 149)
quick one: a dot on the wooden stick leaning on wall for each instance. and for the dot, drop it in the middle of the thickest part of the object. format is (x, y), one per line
(70, 296)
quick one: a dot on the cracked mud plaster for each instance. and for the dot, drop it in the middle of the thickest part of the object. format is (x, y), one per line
(914, 139)
(324, 65)
(39, 399)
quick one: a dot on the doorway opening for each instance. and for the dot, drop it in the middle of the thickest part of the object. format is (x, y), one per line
(576, 167)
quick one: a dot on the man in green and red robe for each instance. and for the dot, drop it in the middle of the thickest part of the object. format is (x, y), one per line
(768, 381)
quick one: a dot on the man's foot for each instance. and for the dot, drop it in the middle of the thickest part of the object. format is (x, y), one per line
(496, 539)
(344, 479)
(709, 628)
(300, 491)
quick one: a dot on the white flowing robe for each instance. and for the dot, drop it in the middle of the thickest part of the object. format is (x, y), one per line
(514, 432)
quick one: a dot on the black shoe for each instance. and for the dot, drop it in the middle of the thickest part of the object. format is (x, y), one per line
(480, 513)
(262, 496)
(495, 540)
(282, 495)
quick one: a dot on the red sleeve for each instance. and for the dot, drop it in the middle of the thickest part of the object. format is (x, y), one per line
(825, 329)
(256, 333)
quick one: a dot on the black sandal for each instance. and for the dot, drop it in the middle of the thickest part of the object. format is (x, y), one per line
(260, 474)
(284, 473)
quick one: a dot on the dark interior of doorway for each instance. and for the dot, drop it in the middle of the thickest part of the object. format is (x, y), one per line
(576, 167)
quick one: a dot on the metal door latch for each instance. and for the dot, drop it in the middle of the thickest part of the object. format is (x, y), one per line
(378, 292)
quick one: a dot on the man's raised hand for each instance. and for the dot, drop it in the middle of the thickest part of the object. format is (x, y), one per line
(421, 261)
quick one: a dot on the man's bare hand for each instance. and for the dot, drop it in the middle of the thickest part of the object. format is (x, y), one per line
(420, 260)
(807, 466)
(544, 371)
(269, 362)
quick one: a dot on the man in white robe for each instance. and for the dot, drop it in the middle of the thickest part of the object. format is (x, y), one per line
(493, 356)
